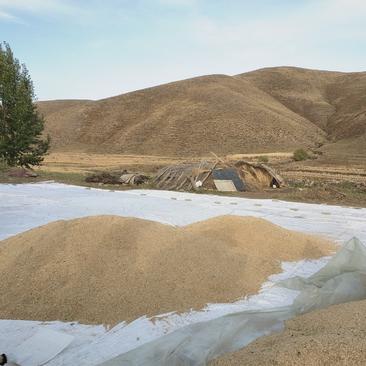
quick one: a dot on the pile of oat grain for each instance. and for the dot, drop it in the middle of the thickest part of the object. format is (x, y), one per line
(106, 269)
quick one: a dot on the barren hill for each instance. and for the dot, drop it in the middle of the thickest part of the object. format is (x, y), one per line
(265, 110)
(334, 101)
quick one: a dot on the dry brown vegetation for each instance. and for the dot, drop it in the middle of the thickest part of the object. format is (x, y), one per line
(275, 109)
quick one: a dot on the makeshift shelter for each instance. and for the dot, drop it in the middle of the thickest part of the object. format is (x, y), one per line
(220, 176)
(259, 176)
(184, 176)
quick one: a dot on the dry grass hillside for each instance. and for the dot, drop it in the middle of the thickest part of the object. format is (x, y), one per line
(300, 90)
(334, 101)
(275, 109)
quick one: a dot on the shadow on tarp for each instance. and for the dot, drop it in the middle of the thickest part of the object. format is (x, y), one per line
(343, 279)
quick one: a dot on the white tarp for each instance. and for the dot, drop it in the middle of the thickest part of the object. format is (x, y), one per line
(223, 328)
(26, 206)
(342, 279)
(95, 344)
(34, 347)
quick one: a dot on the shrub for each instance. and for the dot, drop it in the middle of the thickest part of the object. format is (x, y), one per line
(263, 159)
(300, 154)
(3, 165)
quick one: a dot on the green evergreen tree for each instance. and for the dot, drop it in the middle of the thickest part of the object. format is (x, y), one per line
(21, 126)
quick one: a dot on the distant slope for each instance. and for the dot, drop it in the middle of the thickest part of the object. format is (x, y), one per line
(270, 109)
(64, 119)
(348, 95)
(334, 101)
(302, 91)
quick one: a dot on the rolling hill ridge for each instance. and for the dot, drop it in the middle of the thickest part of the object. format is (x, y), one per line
(273, 109)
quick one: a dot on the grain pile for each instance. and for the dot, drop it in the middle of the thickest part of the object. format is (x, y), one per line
(107, 269)
(332, 336)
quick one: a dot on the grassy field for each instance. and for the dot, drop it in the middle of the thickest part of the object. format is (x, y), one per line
(307, 181)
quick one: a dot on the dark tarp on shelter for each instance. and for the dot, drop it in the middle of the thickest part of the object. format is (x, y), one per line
(229, 174)
(242, 176)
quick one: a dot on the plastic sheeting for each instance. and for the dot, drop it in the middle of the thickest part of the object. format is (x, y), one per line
(343, 279)
(93, 344)
(38, 347)
(25, 206)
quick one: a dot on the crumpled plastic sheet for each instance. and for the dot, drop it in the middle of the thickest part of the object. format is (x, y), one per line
(343, 279)
(93, 344)
(39, 347)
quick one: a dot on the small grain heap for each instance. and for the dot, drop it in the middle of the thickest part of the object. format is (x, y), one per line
(331, 336)
(107, 269)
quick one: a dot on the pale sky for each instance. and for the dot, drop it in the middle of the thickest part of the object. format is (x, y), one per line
(91, 49)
